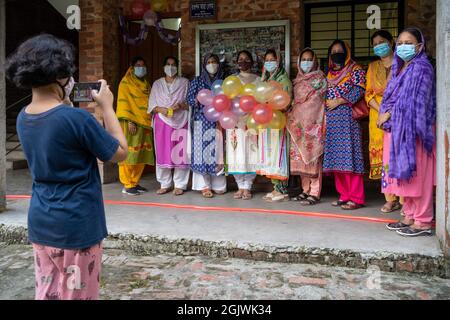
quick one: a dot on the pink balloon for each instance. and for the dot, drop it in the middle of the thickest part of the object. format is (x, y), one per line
(211, 114)
(280, 100)
(247, 103)
(262, 114)
(205, 97)
(236, 107)
(228, 120)
(221, 103)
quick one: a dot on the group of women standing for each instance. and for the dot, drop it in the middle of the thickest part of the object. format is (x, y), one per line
(322, 135)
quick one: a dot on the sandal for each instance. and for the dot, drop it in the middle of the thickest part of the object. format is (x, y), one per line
(300, 197)
(238, 195)
(339, 203)
(207, 194)
(279, 198)
(310, 201)
(163, 191)
(350, 206)
(268, 196)
(247, 195)
(394, 207)
(178, 192)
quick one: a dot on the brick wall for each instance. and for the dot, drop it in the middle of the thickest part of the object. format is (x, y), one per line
(99, 55)
(422, 14)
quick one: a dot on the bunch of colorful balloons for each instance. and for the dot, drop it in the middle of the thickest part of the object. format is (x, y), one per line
(261, 104)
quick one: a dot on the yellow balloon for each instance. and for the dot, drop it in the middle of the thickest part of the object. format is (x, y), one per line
(232, 87)
(263, 92)
(278, 120)
(159, 5)
(253, 125)
(248, 90)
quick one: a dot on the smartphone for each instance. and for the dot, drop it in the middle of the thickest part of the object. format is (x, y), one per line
(82, 91)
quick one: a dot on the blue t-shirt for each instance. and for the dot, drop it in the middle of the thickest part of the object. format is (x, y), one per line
(62, 146)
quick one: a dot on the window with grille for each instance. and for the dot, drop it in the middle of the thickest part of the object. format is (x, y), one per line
(347, 21)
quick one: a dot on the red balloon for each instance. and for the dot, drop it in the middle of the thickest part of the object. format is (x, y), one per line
(247, 103)
(139, 7)
(262, 114)
(221, 103)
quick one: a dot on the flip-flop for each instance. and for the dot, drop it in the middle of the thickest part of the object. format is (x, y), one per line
(395, 207)
(247, 195)
(208, 194)
(178, 192)
(162, 191)
(238, 195)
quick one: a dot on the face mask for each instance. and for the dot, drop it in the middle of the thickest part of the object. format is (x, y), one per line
(245, 65)
(382, 50)
(338, 58)
(270, 66)
(306, 66)
(140, 72)
(170, 71)
(406, 52)
(212, 68)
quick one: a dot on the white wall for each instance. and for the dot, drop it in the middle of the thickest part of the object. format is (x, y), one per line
(443, 119)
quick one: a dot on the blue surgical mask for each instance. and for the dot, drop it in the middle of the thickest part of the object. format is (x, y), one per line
(406, 52)
(382, 50)
(270, 66)
(140, 72)
(306, 66)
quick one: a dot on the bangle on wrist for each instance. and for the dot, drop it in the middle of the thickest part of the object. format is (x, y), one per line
(169, 112)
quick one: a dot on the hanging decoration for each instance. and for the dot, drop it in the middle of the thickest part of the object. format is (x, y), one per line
(150, 17)
(143, 32)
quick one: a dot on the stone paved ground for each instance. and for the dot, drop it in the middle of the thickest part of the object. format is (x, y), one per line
(173, 277)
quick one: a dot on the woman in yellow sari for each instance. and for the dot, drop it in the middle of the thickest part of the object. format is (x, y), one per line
(378, 76)
(134, 91)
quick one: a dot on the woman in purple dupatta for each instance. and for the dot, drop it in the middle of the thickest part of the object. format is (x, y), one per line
(408, 116)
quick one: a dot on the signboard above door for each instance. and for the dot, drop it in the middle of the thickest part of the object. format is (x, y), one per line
(202, 9)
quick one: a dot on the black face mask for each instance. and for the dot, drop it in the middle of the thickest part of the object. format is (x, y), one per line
(338, 58)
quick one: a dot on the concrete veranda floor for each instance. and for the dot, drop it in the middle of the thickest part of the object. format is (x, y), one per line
(154, 216)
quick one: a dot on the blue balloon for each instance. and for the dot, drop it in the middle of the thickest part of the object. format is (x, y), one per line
(216, 87)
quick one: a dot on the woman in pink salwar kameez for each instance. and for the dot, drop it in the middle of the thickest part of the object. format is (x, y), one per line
(170, 123)
(408, 115)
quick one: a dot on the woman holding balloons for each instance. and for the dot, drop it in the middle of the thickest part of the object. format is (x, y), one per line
(343, 145)
(306, 124)
(207, 146)
(275, 97)
(242, 148)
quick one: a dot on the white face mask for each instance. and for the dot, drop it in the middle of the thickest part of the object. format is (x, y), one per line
(212, 68)
(69, 87)
(170, 71)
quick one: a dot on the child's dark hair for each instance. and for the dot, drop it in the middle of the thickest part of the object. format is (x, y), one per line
(40, 61)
